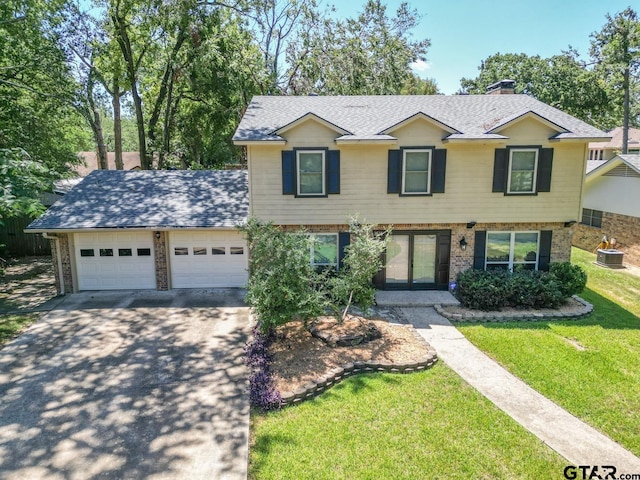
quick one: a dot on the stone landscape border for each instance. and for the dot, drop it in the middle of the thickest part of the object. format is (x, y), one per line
(336, 375)
(524, 316)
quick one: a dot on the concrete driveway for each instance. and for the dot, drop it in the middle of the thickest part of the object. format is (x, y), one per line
(128, 385)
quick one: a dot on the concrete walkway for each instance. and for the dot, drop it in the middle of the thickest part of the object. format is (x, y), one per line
(576, 441)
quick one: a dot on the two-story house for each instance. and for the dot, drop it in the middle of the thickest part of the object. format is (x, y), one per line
(485, 181)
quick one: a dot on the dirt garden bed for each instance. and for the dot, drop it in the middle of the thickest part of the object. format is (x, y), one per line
(301, 359)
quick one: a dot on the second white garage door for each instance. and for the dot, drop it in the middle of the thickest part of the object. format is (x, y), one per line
(208, 259)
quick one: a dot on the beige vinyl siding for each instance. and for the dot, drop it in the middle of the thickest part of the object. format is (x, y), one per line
(467, 196)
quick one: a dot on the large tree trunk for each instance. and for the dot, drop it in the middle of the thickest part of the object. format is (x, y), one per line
(96, 126)
(625, 111)
(125, 46)
(117, 123)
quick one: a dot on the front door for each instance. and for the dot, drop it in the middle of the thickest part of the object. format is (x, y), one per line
(417, 260)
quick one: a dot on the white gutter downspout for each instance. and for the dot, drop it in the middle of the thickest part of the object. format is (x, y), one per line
(58, 258)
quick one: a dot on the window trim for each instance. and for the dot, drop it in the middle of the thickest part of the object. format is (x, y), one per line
(312, 251)
(510, 263)
(430, 151)
(322, 151)
(534, 180)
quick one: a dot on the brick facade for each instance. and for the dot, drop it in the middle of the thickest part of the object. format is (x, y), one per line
(461, 260)
(625, 229)
(65, 252)
(161, 264)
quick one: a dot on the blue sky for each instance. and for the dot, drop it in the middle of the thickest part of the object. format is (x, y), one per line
(465, 32)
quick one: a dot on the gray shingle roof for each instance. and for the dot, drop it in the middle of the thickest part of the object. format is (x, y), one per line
(593, 164)
(633, 160)
(367, 116)
(151, 199)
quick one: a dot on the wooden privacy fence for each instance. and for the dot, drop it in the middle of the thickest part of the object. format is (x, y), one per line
(15, 243)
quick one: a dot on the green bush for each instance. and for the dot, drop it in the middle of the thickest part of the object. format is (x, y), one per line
(283, 285)
(482, 290)
(572, 278)
(495, 289)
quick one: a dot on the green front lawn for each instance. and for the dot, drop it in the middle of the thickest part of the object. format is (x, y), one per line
(590, 366)
(12, 325)
(422, 425)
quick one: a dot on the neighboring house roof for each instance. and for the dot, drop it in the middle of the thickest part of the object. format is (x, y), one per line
(616, 139)
(593, 164)
(151, 199)
(370, 117)
(130, 161)
(600, 167)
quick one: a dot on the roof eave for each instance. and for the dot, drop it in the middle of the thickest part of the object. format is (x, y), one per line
(266, 141)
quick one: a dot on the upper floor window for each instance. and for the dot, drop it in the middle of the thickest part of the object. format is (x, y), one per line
(416, 168)
(507, 250)
(311, 172)
(522, 170)
(593, 218)
(523, 165)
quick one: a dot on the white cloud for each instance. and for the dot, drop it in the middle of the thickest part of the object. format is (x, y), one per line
(420, 66)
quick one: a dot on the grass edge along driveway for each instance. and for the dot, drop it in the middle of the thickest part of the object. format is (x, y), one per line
(421, 425)
(589, 366)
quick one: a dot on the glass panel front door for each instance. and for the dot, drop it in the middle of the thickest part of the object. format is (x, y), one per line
(412, 261)
(398, 259)
(424, 259)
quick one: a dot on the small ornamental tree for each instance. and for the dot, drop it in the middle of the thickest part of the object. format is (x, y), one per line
(362, 260)
(282, 282)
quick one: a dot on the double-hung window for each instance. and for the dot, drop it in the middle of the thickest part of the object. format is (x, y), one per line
(416, 172)
(523, 167)
(509, 250)
(324, 250)
(311, 172)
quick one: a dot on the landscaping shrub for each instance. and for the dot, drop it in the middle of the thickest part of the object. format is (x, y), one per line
(482, 290)
(362, 260)
(495, 289)
(262, 391)
(283, 285)
(572, 278)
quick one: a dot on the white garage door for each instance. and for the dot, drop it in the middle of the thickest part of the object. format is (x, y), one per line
(208, 259)
(114, 260)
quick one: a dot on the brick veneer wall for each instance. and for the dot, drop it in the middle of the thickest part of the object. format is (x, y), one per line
(65, 251)
(462, 260)
(625, 229)
(160, 253)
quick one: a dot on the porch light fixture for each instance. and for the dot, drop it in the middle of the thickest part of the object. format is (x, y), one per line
(471, 224)
(463, 243)
(158, 235)
(570, 223)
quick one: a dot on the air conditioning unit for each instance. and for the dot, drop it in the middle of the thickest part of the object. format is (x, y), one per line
(610, 258)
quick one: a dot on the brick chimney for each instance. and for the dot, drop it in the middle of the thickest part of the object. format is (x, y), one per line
(503, 87)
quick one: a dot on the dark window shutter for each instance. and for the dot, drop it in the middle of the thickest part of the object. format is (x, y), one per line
(344, 238)
(500, 166)
(333, 171)
(288, 172)
(545, 162)
(394, 172)
(438, 170)
(544, 255)
(479, 249)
